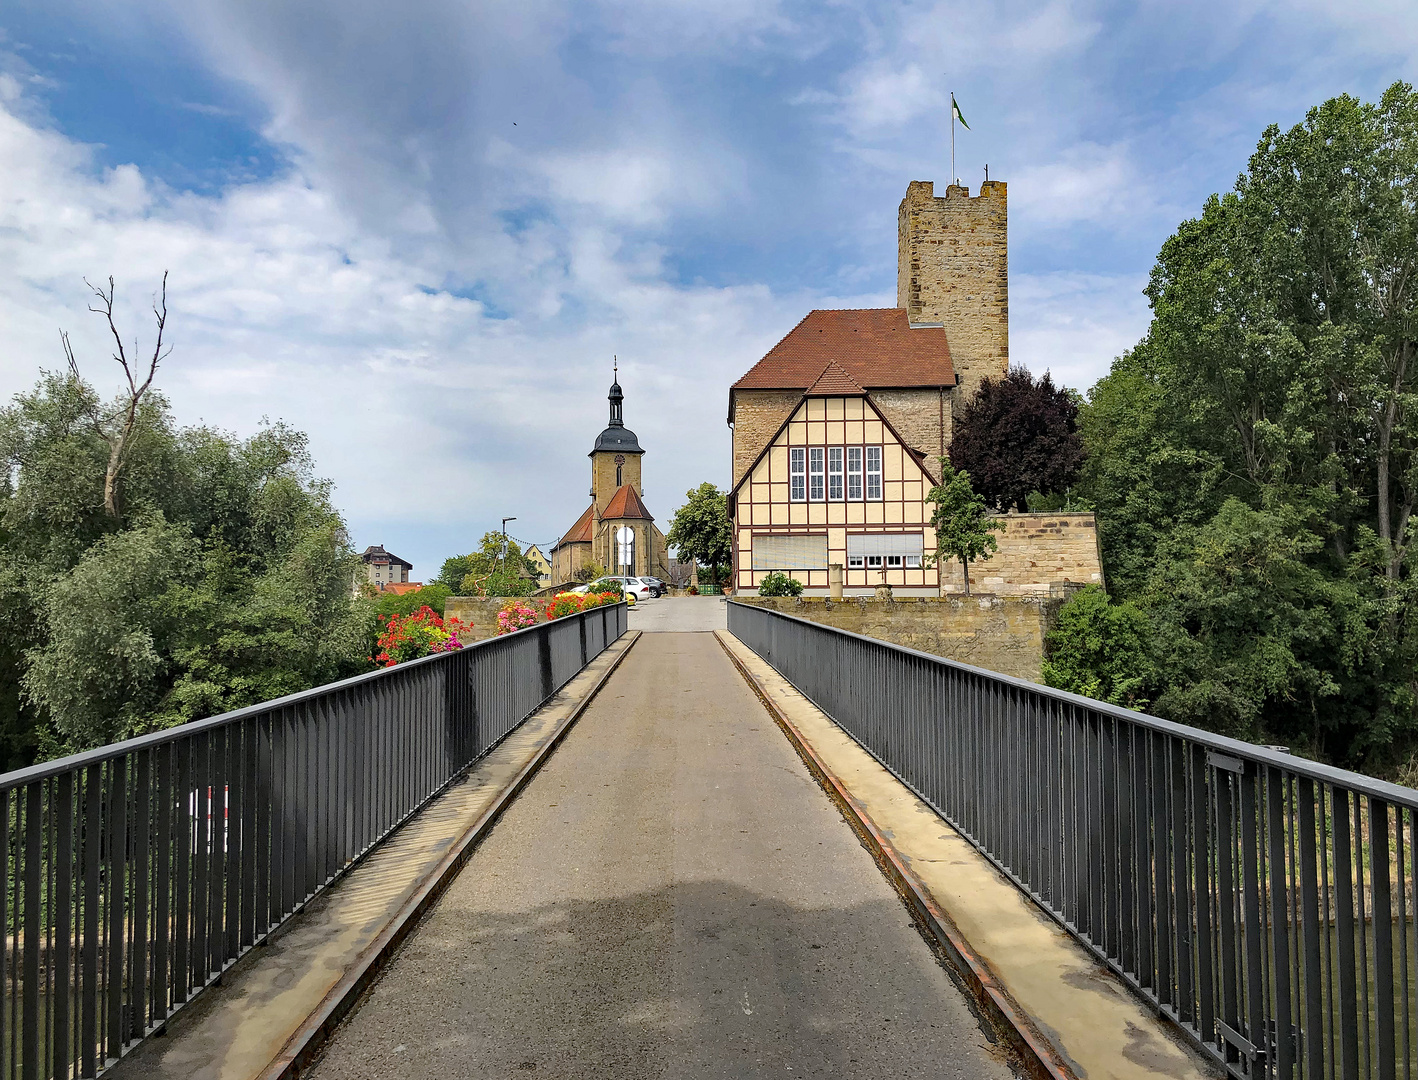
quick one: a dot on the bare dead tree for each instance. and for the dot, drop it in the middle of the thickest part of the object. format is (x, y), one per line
(116, 428)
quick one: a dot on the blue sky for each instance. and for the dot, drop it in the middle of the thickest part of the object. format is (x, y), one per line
(420, 231)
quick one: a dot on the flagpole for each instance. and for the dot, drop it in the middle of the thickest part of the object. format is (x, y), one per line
(952, 137)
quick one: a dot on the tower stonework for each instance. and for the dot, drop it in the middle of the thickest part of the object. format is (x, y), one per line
(952, 268)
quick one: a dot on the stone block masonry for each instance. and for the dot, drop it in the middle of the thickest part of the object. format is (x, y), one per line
(757, 416)
(1037, 554)
(1000, 633)
(952, 268)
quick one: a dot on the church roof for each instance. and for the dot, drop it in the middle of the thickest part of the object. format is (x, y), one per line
(875, 347)
(834, 380)
(580, 533)
(625, 503)
(619, 439)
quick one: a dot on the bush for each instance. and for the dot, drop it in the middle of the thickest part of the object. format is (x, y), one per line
(563, 604)
(1100, 649)
(407, 637)
(517, 615)
(610, 585)
(693, 590)
(779, 584)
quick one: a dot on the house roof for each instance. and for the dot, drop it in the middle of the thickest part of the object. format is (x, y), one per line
(625, 503)
(874, 347)
(399, 588)
(834, 380)
(580, 533)
(375, 551)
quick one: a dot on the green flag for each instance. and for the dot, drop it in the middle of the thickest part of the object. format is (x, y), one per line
(954, 108)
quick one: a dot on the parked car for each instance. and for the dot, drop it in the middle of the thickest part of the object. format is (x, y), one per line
(635, 588)
(657, 587)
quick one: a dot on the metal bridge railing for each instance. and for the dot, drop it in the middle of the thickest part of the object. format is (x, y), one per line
(136, 873)
(1263, 902)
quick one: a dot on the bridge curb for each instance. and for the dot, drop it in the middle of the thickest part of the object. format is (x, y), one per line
(302, 1047)
(1040, 1057)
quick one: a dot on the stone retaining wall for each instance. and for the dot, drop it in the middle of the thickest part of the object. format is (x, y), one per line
(999, 633)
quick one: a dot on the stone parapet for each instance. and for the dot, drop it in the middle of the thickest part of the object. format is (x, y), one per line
(1038, 554)
(1000, 633)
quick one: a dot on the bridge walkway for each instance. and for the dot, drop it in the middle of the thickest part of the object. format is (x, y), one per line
(671, 895)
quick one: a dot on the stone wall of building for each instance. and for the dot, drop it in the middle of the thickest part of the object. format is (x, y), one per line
(603, 476)
(999, 633)
(757, 416)
(953, 268)
(922, 416)
(1037, 553)
(479, 612)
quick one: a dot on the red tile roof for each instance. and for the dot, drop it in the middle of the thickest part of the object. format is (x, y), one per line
(399, 588)
(875, 347)
(834, 380)
(580, 533)
(625, 503)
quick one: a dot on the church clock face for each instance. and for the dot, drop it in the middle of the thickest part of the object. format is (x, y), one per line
(620, 459)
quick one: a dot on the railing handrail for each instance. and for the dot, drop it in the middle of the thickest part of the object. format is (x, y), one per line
(1246, 751)
(99, 754)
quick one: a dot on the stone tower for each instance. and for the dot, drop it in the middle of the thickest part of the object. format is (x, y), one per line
(615, 459)
(952, 270)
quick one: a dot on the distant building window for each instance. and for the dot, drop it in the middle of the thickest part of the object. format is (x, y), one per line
(834, 473)
(888, 550)
(856, 562)
(873, 454)
(815, 473)
(854, 473)
(797, 474)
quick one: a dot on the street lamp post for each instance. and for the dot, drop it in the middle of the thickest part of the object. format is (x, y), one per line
(502, 555)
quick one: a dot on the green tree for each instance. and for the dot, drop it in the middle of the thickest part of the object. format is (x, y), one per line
(224, 579)
(699, 530)
(961, 520)
(1254, 460)
(1100, 649)
(491, 571)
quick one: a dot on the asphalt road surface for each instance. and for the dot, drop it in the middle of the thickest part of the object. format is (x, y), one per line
(672, 896)
(679, 614)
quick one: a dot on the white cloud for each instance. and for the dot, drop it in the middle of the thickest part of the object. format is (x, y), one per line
(1075, 324)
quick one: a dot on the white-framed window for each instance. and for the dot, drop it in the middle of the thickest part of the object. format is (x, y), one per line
(854, 473)
(816, 473)
(886, 551)
(797, 474)
(834, 473)
(873, 456)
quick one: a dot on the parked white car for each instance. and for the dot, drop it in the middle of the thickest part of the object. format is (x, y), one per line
(633, 586)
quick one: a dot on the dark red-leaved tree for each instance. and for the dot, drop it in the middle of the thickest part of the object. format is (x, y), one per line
(1015, 436)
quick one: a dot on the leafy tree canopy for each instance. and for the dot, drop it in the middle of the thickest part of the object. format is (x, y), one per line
(964, 529)
(1016, 437)
(700, 528)
(1254, 460)
(490, 571)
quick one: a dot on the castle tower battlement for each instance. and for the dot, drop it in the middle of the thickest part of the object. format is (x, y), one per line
(952, 269)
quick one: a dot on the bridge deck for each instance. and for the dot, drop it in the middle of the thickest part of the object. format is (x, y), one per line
(672, 895)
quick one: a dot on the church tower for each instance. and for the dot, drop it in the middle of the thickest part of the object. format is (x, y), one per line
(615, 459)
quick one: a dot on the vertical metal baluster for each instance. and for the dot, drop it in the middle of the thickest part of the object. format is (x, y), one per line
(202, 848)
(33, 877)
(1279, 931)
(1308, 885)
(162, 912)
(115, 873)
(249, 802)
(265, 827)
(1383, 940)
(62, 1033)
(1142, 854)
(1182, 891)
(1250, 892)
(1162, 839)
(1201, 842)
(186, 839)
(1366, 1031)
(1348, 1022)
(139, 936)
(1226, 907)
